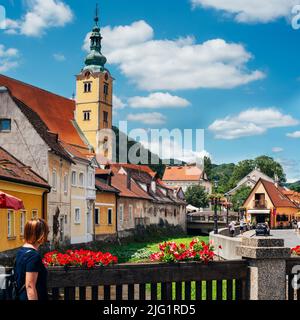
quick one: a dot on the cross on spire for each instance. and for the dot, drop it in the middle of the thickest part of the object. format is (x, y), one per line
(97, 14)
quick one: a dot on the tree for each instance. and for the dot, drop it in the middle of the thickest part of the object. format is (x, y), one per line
(197, 196)
(270, 167)
(294, 186)
(240, 197)
(222, 174)
(242, 169)
(208, 167)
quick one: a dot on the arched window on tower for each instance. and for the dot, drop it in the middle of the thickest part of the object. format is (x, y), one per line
(87, 87)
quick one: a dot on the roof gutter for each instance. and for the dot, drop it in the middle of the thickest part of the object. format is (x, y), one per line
(33, 184)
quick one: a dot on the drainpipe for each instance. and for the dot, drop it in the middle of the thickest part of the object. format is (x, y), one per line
(44, 204)
(117, 218)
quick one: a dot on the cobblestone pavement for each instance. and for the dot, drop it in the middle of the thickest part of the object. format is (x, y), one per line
(291, 238)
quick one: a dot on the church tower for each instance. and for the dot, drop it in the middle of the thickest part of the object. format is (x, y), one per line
(94, 92)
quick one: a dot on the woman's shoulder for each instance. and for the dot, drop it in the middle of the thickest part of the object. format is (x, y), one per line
(28, 253)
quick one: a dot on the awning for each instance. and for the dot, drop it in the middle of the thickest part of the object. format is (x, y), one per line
(255, 211)
(9, 202)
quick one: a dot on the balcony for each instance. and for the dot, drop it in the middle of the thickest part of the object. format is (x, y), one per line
(260, 204)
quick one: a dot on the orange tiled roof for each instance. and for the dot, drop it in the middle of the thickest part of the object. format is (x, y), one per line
(15, 170)
(76, 151)
(278, 198)
(104, 187)
(143, 168)
(183, 173)
(119, 181)
(56, 111)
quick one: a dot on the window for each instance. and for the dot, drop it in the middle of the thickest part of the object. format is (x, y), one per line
(105, 89)
(109, 216)
(130, 212)
(87, 87)
(97, 216)
(54, 179)
(86, 115)
(5, 125)
(66, 177)
(74, 178)
(121, 212)
(22, 222)
(105, 116)
(10, 224)
(77, 217)
(81, 179)
(34, 214)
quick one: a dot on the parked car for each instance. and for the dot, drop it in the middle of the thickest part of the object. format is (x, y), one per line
(262, 229)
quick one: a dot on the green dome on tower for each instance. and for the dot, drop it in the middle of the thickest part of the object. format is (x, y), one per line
(95, 60)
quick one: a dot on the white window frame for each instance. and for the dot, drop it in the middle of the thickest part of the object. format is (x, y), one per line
(81, 185)
(23, 215)
(77, 221)
(98, 209)
(66, 183)
(112, 217)
(10, 224)
(54, 179)
(121, 209)
(74, 181)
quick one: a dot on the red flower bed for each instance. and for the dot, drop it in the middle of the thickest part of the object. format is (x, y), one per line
(296, 251)
(173, 252)
(79, 258)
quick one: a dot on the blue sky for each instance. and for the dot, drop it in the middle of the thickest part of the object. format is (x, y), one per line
(233, 70)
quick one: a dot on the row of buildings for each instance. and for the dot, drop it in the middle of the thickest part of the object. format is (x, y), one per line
(268, 201)
(55, 156)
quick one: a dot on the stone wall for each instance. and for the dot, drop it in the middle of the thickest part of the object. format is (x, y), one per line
(229, 244)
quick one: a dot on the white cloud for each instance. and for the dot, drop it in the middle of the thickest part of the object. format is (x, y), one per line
(251, 11)
(118, 103)
(277, 149)
(175, 64)
(147, 118)
(59, 57)
(40, 15)
(123, 36)
(8, 58)
(294, 135)
(158, 100)
(250, 123)
(172, 149)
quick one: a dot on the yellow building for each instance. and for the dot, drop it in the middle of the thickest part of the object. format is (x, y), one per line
(105, 217)
(269, 202)
(20, 181)
(94, 96)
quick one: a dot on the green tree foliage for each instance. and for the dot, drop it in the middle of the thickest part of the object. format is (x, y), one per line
(208, 166)
(197, 196)
(294, 186)
(159, 167)
(270, 167)
(240, 197)
(222, 174)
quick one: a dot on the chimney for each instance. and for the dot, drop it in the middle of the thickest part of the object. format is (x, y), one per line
(153, 186)
(128, 179)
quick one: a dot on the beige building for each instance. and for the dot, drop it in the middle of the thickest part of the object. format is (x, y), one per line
(42, 133)
(186, 176)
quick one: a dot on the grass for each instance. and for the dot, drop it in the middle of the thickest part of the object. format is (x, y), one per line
(137, 252)
(193, 290)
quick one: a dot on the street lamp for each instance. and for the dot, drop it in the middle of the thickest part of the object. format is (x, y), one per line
(227, 211)
(215, 200)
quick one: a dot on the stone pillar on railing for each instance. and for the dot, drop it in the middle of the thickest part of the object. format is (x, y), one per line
(267, 267)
